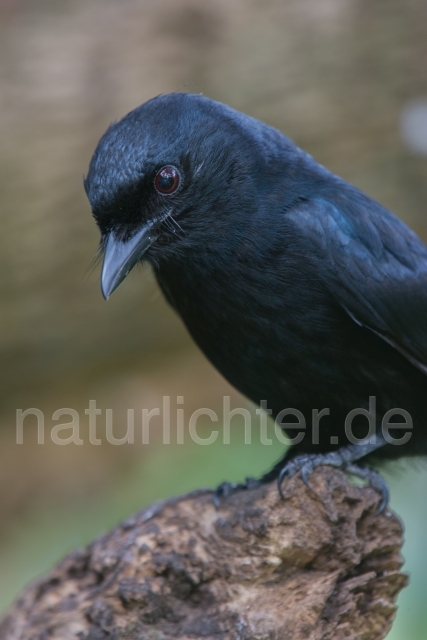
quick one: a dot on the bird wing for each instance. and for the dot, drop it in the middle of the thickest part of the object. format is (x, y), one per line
(373, 265)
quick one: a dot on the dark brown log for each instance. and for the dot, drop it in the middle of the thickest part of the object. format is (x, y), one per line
(319, 565)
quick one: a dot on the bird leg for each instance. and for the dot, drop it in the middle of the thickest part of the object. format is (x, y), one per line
(345, 459)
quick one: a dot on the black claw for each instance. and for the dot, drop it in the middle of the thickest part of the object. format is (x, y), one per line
(384, 499)
(222, 491)
(382, 506)
(282, 476)
(216, 499)
(251, 483)
(306, 471)
(375, 480)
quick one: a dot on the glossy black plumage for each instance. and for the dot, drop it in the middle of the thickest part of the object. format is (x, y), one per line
(301, 290)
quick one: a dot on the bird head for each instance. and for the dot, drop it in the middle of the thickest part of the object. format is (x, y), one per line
(173, 178)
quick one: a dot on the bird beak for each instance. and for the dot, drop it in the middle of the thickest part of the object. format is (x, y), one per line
(120, 257)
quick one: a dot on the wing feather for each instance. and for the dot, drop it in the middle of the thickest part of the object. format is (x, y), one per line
(372, 264)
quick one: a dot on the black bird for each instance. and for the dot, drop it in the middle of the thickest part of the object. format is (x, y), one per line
(303, 291)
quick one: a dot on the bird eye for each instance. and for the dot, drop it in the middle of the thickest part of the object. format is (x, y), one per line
(167, 180)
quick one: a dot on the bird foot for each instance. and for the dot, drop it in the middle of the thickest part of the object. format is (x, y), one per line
(374, 480)
(227, 488)
(340, 459)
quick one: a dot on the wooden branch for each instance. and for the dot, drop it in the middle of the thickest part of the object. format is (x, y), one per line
(319, 565)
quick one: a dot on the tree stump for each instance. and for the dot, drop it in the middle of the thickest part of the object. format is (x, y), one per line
(319, 565)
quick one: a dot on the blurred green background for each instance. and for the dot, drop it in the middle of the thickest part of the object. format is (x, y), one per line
(346, 80)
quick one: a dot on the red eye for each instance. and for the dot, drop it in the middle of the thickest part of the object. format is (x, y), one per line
(167, 180)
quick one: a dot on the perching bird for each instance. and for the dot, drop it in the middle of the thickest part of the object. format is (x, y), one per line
(303, 291)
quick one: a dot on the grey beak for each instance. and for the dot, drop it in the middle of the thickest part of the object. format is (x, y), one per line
(120, 257)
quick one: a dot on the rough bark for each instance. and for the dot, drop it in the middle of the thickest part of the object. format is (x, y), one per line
(318, 565)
